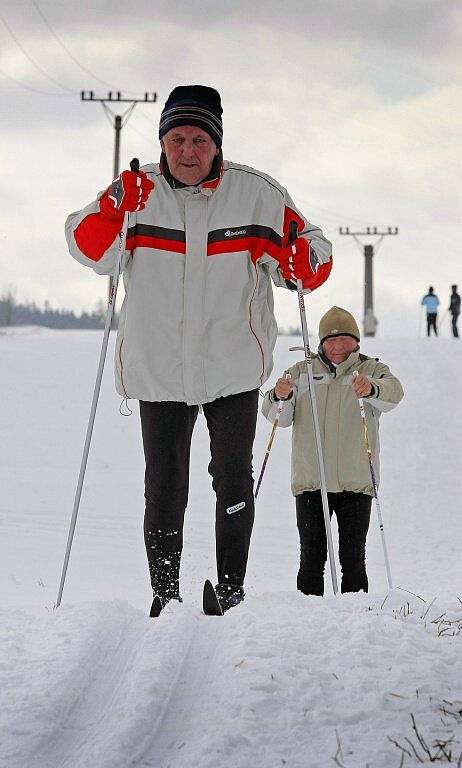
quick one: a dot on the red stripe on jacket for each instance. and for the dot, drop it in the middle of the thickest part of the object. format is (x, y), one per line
(158, 243)
(94, 236)
(256, 245)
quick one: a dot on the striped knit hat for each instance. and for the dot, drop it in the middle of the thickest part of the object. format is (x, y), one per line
(193, 105)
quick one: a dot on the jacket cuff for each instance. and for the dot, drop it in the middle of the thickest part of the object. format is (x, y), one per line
(374, 392)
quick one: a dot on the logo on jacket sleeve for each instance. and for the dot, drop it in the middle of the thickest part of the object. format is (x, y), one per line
(314, 261)
(116, 192)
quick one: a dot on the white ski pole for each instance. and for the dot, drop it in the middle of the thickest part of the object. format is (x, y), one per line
(374, 487)
(270, 441)
(314, 413)
(134, 166)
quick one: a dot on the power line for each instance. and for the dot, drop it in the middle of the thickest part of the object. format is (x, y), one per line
(34, 63)
(325, 212)
(65, 48)
(148, 139)
(34, 90)
(43, 72)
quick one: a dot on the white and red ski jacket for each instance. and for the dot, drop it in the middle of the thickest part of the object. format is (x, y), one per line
(197, 322)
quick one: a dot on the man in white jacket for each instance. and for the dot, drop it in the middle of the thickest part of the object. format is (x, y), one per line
(206, 237)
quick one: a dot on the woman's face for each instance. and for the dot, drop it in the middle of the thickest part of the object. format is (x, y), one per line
(338, 348)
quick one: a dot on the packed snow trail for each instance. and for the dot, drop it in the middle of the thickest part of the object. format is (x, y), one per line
(279, 680)
(192, 698)
(282, 680)
(85, 665)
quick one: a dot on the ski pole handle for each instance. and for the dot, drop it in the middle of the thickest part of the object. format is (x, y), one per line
(360, 399)
(293, 233)
(282, 400)
(293, 230)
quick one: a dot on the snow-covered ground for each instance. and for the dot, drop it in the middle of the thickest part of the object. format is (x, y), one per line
(282, 680)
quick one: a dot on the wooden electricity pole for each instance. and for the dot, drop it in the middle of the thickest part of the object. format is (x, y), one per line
(115, 97)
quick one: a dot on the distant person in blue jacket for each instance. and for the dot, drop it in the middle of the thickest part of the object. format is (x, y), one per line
(430, 301)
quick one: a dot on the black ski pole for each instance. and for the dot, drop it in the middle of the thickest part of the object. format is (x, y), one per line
(134, 166)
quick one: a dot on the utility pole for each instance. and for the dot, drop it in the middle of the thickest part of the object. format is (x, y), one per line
(370, 322)
(119, 122)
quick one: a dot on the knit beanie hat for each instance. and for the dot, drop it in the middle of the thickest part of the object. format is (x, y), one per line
(193, 105)
(338, 322)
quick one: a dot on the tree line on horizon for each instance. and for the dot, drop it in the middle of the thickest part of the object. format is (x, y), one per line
(14, 313)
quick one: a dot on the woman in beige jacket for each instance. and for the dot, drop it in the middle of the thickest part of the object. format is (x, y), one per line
(348, 478)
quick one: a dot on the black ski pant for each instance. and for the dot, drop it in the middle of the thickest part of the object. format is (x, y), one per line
(455, 330)
(167, 429)
(431, 323)
(353, 511)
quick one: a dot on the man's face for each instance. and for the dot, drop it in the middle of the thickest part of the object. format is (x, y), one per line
(190, 152)
(338, 348)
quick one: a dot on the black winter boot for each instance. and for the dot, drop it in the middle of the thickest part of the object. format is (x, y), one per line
(229, 595)
(158, 604)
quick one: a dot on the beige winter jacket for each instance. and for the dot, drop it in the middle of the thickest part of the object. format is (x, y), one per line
(342, 433)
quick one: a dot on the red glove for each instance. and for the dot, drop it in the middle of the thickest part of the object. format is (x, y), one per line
(128, 192)
(299, 261)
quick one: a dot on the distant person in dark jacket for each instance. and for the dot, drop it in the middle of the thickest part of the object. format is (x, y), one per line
(431, 301)
(454, 309)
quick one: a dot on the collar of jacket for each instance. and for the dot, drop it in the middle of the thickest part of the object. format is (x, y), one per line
(342, 367)
(210, 182)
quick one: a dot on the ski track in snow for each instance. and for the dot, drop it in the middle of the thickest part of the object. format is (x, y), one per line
(281, 680)
(190, 703)
(78, 677)
(81, 739)
(96, 686)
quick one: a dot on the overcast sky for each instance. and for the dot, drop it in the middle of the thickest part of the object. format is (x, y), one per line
(353, 105)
